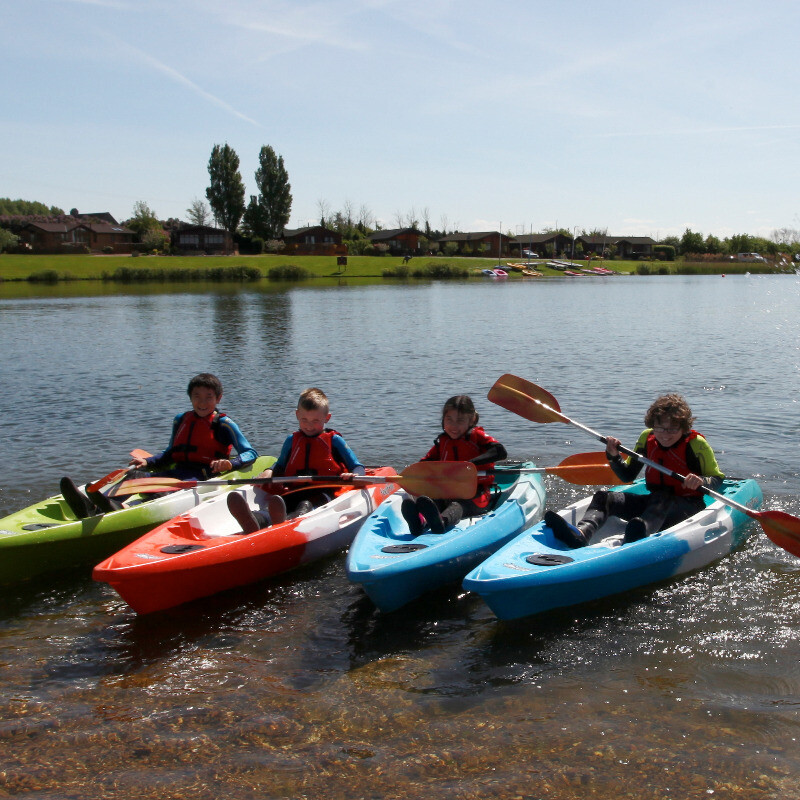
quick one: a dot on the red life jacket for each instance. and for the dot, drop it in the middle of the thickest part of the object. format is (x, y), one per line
(195, 440)
(464, 449)
(313, 455)
(674, 458)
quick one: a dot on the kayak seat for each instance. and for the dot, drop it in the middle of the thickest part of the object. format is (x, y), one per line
(407, 547)
(181, 548)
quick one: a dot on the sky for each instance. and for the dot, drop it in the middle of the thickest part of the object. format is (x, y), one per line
(639, 118)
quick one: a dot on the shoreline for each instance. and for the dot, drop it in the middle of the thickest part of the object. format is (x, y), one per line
(302, 269)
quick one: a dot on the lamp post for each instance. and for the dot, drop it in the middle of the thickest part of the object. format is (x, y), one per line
(573, 242)
(500, 244)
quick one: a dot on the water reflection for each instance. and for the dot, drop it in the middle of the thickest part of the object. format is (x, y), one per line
(297, 686)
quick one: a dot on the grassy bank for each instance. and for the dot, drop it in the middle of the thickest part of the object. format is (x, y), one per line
(128, 269)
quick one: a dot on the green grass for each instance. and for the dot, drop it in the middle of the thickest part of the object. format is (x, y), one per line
(280, 267)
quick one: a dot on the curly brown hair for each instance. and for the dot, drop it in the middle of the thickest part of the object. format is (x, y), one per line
(672, 406)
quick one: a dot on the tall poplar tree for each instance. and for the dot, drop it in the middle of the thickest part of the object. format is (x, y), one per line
(226, 192)
(268, 212)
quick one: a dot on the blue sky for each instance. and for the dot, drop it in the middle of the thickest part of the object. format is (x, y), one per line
(644, 118)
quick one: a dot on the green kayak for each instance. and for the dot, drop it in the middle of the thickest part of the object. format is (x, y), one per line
(46, 537)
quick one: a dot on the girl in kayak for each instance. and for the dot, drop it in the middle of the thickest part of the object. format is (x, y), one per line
(461, 440)
(311, 450)
(201, 445)
(670, 440)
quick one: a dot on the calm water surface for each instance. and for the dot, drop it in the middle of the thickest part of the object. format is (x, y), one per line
(297, 688)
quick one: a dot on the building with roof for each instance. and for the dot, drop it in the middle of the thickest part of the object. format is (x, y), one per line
(482, 243)
(399, 241)
(628, 247)
(70, 235)
(201, 240)
(313, 240)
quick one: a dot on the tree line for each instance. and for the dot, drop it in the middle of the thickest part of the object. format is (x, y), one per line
(258, 224)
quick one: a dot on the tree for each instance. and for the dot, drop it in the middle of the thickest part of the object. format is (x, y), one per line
(324, 212)
(144, 219)
(268, 211)
(149, 231)
(226, 192)
(740, 243)
(8, 240)
(22, 208)
(366, 219)
(198, 212)
(692, 242)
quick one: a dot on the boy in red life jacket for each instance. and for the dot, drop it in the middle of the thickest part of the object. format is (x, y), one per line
(461, 440)
(201, 445)
(311, 450)
(670, 440)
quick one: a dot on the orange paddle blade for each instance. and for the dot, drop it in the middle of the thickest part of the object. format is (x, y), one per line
(152, 486)
(436, 479)
(587, 474)
(586, 469)
(584, 459)
(525, 399)
(104, 481)
(445, 480)
(782, 528)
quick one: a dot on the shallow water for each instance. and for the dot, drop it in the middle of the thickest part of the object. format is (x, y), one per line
(297, 687)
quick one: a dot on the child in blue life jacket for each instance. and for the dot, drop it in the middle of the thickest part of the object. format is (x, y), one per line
(311, 450)
(461, 440)
(670, 440)
(201, 445)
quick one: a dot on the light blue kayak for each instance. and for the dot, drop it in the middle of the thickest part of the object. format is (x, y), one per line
(394, 567)
(536, 572)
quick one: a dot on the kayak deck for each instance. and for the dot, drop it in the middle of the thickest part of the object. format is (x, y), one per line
(204, 551)
(46, 537)
(535, 572)
(394, 567)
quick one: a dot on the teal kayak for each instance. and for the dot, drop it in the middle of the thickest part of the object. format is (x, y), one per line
(535, 572)
(394, 567)
(46, 537)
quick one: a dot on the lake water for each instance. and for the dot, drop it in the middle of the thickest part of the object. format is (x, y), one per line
(298, 688)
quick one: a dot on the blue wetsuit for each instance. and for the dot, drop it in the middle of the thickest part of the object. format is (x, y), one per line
(226, 431)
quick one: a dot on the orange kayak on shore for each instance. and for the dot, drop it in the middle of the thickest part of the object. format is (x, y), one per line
(204, 551)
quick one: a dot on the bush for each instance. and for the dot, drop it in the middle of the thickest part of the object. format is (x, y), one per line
(45, 276)
(8, 241)
(664, 251)
(440, 270)
(290, 272)
(401, 271)
(175, 274)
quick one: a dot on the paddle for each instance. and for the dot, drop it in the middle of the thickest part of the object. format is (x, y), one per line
(436, 479)
(115, 474)
(583, 469)
(538, 405)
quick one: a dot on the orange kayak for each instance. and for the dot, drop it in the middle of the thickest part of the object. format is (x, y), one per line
(204, 551)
